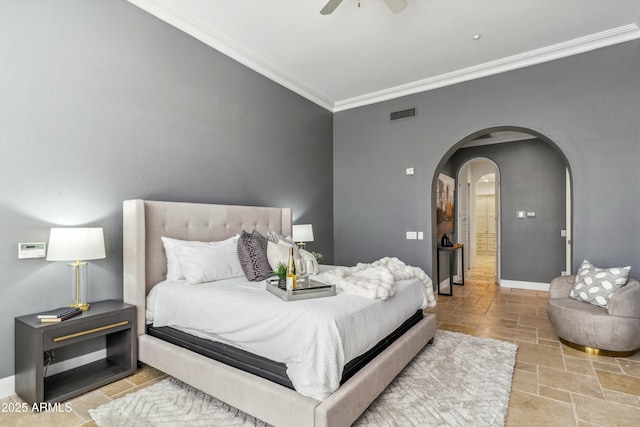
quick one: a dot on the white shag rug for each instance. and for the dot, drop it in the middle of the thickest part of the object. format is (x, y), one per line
(459, 380)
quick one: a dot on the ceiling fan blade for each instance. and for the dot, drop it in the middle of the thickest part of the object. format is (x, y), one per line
(330, 7)
(396, 6)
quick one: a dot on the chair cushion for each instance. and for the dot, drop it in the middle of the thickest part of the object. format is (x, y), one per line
(596, 285)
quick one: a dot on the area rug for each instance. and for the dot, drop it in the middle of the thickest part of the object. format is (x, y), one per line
(459, 380)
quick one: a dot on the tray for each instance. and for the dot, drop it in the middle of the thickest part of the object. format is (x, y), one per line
(311, 289)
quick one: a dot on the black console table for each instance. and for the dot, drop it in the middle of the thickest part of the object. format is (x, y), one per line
(450, 251)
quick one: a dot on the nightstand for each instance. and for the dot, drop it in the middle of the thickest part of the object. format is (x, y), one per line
(110, 325)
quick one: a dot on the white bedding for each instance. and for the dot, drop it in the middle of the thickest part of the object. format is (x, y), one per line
(315, 338)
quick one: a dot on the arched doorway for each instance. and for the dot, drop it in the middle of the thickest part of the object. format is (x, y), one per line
(533, 241)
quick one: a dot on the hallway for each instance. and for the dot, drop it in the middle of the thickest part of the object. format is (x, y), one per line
(485, 269)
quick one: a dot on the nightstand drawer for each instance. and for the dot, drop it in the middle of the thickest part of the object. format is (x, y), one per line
(85, 330)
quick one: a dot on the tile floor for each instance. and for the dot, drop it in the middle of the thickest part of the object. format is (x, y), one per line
(79, 415)
(553, 385)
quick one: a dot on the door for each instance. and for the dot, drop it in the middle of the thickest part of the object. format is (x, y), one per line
(486, 225)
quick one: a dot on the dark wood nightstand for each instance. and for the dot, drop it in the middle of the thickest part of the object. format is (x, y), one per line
(112, 322)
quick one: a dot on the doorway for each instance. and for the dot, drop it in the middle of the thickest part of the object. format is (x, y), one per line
(478, 215)
(532, 205)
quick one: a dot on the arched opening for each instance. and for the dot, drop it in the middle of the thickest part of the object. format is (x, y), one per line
(531, 201)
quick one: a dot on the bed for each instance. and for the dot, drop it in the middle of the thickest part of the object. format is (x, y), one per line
(145, 222)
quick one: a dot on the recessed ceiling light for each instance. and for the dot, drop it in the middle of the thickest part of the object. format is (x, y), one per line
(477, 36)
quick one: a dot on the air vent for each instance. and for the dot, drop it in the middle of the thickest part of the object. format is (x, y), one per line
(409, 113)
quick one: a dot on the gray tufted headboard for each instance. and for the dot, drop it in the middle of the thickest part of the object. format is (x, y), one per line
(144, 222)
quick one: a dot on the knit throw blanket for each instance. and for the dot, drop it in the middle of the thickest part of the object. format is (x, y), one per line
(377, 279)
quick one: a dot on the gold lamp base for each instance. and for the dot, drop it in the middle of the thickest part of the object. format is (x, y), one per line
(79, 285)
(596, 351)
(82, 306)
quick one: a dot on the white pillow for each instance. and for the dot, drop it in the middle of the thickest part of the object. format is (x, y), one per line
(274, 237)
(279, 252)
(209, 263)
(174, 272)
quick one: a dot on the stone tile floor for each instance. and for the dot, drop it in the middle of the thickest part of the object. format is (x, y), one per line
(79, 413)
(553, 385)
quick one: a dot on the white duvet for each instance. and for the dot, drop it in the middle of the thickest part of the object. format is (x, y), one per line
(315, 338)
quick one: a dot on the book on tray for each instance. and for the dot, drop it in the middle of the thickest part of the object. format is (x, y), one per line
(58, 315)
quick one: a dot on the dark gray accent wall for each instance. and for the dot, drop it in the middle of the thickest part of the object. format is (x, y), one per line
(101, 102)
(588, 105)
(532, 179)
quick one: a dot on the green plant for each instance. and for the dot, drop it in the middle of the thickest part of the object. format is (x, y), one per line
(280, 271)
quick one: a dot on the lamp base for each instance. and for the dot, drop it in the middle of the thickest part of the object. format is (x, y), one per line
(82, 306)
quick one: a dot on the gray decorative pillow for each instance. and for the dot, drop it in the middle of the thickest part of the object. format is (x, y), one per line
(597, 285)
(252, 252)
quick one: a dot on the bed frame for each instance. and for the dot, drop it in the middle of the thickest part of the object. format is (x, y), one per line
(145, 265)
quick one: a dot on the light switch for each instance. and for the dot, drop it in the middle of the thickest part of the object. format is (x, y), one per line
(531, 214)
(420, 235)
(410, 171)
(412, 235)
(521, 214)
(563, 233)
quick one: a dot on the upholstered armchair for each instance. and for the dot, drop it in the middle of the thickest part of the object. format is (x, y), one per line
(614, 330)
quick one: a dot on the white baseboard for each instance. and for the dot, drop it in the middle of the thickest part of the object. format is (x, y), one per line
(517, 284)
(8, 385)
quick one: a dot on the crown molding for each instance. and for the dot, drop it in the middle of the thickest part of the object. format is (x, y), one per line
(167, 12)
(526, 59)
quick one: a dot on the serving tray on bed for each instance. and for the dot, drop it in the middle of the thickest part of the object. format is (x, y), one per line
(308, 290)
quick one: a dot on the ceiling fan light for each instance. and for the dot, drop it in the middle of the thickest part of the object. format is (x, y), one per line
(396, 6)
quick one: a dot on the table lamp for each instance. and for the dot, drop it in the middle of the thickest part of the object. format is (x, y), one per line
(302, 234)
(78, 245)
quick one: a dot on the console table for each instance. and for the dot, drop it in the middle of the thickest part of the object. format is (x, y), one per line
(451, 252)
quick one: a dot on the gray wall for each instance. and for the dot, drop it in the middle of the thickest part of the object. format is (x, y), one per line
(532, 179)
(101, 102)
(588, 105)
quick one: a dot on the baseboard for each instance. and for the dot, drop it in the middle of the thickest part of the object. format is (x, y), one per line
(8, 385)
(517, 284)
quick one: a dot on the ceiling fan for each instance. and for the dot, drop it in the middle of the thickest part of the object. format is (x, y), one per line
(396, 6)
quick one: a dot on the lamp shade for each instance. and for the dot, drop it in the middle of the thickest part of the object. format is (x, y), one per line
(75, 244)
(303, 233)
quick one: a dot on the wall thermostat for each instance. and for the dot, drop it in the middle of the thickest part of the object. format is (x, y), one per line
(32, 250)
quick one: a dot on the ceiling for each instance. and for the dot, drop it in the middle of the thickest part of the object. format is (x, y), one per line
(362, 55)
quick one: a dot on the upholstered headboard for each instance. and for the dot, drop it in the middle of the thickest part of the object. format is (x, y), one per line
(145, 222)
